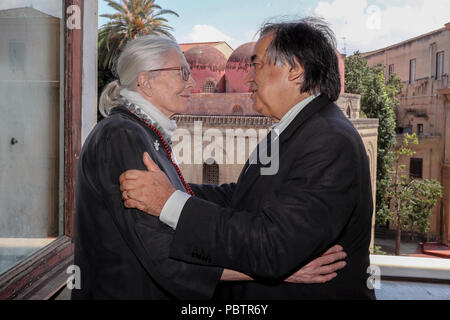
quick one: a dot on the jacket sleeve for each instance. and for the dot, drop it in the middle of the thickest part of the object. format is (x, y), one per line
(146, 236)
(296, 222)
(221, 195)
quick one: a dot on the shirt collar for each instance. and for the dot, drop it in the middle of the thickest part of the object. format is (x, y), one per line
(157, 118)
(286, 120)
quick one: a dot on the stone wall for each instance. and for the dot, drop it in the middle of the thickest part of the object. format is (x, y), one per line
(423, 109)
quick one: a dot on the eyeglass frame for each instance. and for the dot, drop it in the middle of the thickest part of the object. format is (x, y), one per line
(180, 68)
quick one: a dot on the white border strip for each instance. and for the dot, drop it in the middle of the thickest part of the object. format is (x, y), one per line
(412, 267)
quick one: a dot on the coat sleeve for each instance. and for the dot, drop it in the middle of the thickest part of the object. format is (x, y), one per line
(296, 222)
(221, 195)
(146, 236)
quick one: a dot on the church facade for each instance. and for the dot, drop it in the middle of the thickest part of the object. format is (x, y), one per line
(221, 129)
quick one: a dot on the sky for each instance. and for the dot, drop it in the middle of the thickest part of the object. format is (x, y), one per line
(362, 25)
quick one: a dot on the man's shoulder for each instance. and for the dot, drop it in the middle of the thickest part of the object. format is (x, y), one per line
(331, 119)
(329, 128)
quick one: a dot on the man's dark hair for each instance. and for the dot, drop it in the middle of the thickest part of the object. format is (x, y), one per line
(312, 43)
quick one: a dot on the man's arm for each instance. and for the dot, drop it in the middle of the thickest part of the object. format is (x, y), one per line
(320, 270)
(296, 223)
(221, 195)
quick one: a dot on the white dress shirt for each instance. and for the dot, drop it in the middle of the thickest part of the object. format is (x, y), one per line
(172, 209)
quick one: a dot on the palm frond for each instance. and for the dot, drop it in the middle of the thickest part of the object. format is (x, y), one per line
(131, 19)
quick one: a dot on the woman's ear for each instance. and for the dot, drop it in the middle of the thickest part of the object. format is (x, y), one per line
(144, 83)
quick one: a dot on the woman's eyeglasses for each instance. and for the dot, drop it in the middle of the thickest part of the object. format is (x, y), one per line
(184, 71)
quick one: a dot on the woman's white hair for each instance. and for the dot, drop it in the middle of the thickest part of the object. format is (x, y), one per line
(141, 54)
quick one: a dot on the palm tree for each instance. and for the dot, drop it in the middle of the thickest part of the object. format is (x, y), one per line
(133, 18)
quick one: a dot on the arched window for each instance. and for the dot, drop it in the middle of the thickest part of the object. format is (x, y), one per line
(210, 172)
(209, 86)
(237, 109)
(348, 112)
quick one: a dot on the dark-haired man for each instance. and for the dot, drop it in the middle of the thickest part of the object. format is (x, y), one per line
(271, 222)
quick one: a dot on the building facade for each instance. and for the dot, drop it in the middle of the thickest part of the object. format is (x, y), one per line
(422, 63)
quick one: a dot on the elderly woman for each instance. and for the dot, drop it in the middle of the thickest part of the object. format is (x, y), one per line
(124, 253)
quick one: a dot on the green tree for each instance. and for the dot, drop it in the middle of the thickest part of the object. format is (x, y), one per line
(411, 199)
(377, 101)
(424, 195)
(133, 18)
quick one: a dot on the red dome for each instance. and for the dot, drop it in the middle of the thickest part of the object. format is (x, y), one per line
(208, 68)
(238, 66)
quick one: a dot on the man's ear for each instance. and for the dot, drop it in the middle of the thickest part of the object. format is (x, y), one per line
(296, 72)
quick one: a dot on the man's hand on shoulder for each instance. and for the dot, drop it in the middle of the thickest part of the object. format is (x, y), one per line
(147, 191)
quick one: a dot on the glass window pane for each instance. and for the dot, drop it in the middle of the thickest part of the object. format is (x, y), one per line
(439, 65)
(412, 71)
(29, 127)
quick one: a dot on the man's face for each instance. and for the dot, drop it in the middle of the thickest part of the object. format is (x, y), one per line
(268, 82)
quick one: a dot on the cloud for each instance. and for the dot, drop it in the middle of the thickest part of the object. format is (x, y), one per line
(380, 23)
(207, 33)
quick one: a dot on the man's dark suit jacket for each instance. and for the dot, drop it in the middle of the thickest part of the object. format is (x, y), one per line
(270, 226)
(124, 253)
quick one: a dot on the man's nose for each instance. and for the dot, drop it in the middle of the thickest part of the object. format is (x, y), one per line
(249, 77)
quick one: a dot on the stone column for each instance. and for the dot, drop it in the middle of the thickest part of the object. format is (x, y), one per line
(445, 236)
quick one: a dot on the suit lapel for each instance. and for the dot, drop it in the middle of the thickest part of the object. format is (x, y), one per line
(244, 185)
(245, 179)
(241, 176)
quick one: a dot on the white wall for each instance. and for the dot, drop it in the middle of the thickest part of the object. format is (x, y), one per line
(89, 93)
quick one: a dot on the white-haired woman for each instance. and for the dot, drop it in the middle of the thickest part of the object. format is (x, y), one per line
(124, 253)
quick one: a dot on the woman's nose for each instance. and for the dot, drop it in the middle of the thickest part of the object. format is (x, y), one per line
(191, 82)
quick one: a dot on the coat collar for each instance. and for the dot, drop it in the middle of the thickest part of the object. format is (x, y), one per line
(312, 108)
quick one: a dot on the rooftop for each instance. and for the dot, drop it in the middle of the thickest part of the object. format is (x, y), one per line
(370, 53)
(24, 12)
(186, 46)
